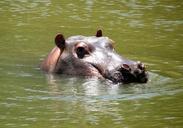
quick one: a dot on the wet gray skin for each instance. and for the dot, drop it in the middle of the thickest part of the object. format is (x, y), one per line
(95, 56)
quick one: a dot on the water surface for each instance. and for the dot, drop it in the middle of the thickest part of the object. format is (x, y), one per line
(150, 31)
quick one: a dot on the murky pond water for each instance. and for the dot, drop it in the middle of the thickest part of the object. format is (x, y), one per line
(146, 30)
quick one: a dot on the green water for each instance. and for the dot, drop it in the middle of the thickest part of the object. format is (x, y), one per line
(146, 30)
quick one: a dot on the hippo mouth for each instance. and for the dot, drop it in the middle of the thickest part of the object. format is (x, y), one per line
(96, 70)
(122, 74)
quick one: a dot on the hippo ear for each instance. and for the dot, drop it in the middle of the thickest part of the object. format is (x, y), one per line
(60, 41)
(99, 33)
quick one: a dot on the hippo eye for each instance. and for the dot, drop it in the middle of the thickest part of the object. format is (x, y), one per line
(81, 52)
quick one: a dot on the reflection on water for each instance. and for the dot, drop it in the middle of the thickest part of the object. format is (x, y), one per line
(150, 31)
(105, 90)
(98, 99)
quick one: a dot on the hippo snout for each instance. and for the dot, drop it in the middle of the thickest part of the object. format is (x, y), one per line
(127, 74)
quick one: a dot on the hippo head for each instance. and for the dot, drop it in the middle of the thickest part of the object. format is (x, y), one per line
(95, 56)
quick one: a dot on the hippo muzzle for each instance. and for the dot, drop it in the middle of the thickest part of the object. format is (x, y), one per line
(93, 56)
(125, 74)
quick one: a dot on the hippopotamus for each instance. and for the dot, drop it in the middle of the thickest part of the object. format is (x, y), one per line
(92, 56)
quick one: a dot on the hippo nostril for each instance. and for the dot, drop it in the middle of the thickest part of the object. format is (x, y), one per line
(140, 66)
(127, 67)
